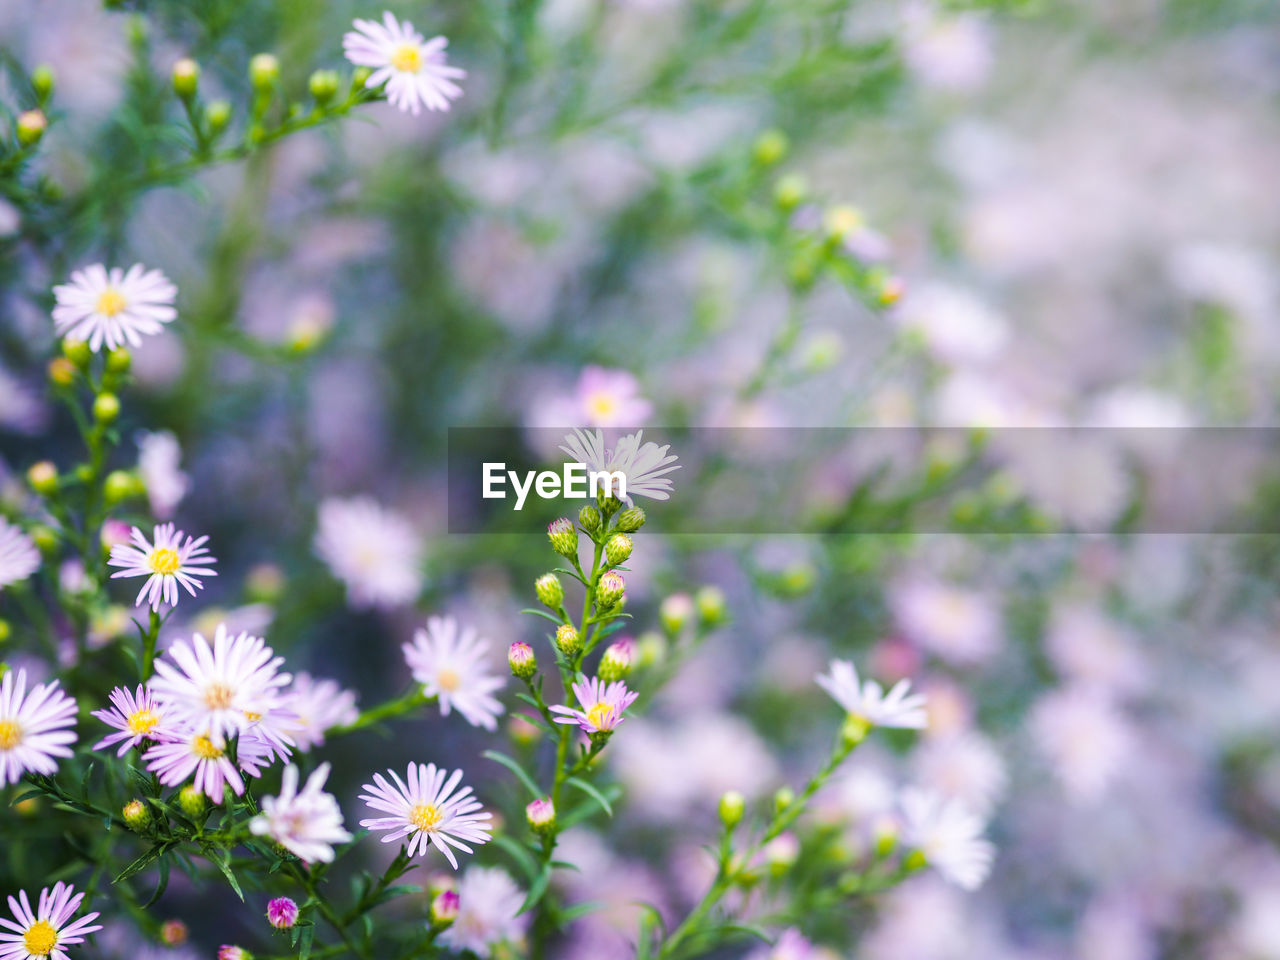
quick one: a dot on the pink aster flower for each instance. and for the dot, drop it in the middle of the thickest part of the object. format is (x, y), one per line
(166, 563)
(33, 727)
(45, 931)
(429, 810)
(451, 663)
(205, 760)
(602, 705)
(136, 717)
(318, 706)
(413, 68)
(282, 913)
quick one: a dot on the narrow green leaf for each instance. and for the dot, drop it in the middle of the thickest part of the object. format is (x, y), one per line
(536, 889)
(543, 613)
(515, 768)
(592, 792)
(519, 853)
(142, 862)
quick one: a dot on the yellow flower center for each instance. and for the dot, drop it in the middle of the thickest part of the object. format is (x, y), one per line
(600, 715)
(602, 404)
(110, 302)
(217, 696)
(163, 560)
(252, 716)
(10, 734)
(205, 749)
(448, 679)
(143, 721)
(407, 58)
(40, 938)
(425, 816)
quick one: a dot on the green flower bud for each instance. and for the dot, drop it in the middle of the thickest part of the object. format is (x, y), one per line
(550, 590)
(617, 660)
(675, 612)
(106, 407)
(192, 802)
(62, 372)
(119, 360)
(265, 583)
(323, 85)
(6, 631)
(841, 221)
(781, 853)
(732, 805)
(119, 486)
(444, 909)
(886, 838)
(589, 517)
(618, 549)
(651, 649)
(44, 537)
(568, 640)
(217, 114)
(784, 798)
(854, 730)
(42, 82)
(136, 816)
(78, 352)
(564, 537)
(610, 590)
(31, 127)
(186, 78)
(541, 816)
(790, 191)
(608, 503)
(770, 147)
(631, 519)
(916, 860)
(43, 477)
(523, 662)
(711, 606)
(264, 71)
(360, 77)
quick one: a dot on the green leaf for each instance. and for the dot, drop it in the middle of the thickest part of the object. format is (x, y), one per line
(519, 853)
(142, 862)
(305, 941)
(570, 914)
(592, 792)
(162, 885)
(215, 858)
(537, 889)
(515, 768)
(543, 613)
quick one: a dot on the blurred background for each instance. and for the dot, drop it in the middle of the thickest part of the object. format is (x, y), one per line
(638, 215)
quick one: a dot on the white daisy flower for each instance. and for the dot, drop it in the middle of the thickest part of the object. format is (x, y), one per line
(869, 702)
(158, 459)
(318, 706)
(136, 717)
(166, 563)
(33, 727)
(375, 552)
(113, 307)
(949, 837)
(644, 465)
(44, 931)
(203, 758)
(488, 913)
(19, 557)
(428, 811)
(414, 69)
(306, 823)
(223, 689)
(450, 663)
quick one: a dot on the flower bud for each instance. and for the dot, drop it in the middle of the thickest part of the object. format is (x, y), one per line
(173, 933)
(282, 913)
(549, 590)
(732, 806)
(78, 352)
(186, 78)
(618, 549)
(711, 606)
(62, 372)
(617, 660)
(916, 860)
(217, 114)
(43, 477)
(6, 631)
(541, 815)
(44, 537)
(264, 71)
(854, 730)
(607, 502)
(323, 85)
(784, 798)
(444, 909)
(136, 816)
(192, 802)
(106, 407)
(440, 882)
(770, 147)
(564, 537)
(675, 612)
(781, 853)
(522, 731)
(119, 360)
(886, 288)
(610, 590)
(631, 519)
(120, 485)
(230, 952)
(265, 583)
(886, 837)
(31, 127)
(568, 641)
(839, 222)
(589, 517)
(651, 649)
(789, 192)
(42, 82)
(522, 660)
